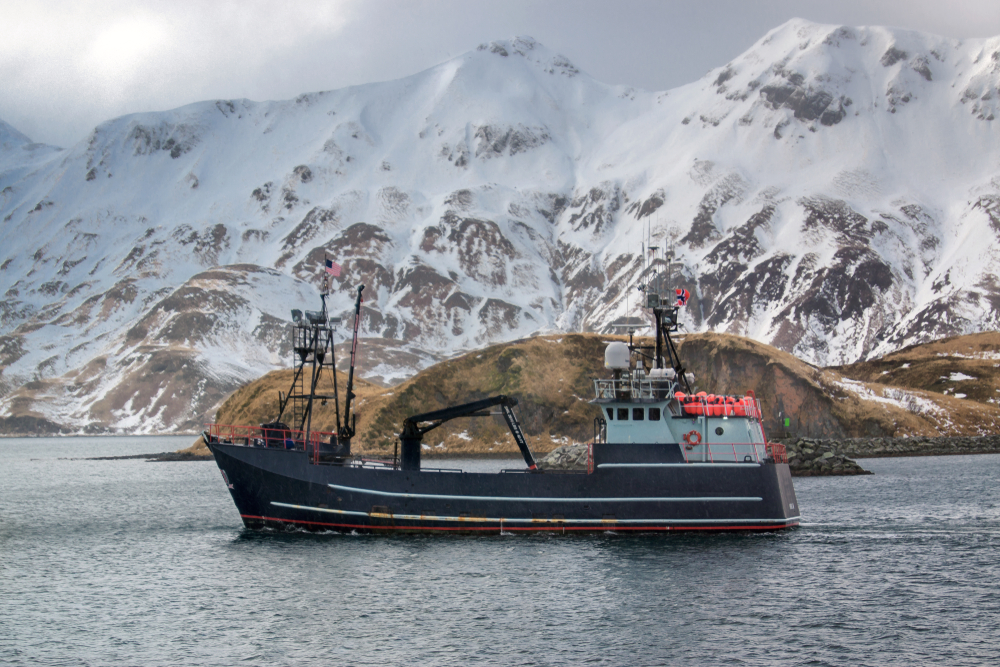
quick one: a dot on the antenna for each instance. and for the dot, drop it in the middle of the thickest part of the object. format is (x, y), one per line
(346, 430)
(626, 300)
(670, 268)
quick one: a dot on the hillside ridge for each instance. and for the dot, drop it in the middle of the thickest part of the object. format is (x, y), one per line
(552, 377)
(149, 269)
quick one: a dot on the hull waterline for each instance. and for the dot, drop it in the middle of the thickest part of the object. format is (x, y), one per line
(284, 489)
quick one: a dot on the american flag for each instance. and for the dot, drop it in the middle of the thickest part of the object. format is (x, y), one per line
(332, 268)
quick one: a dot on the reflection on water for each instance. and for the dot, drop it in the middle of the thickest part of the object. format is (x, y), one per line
(128, 562)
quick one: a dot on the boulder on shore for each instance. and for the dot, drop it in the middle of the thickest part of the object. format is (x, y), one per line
(567, 457)
(812, 458)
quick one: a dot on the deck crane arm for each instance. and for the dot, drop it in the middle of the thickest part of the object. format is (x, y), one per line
(412, 434)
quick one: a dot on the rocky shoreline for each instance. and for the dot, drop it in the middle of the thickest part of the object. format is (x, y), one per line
(566, 457)
(864, 448)
(808, 457)
(814, 458)
(182, 455)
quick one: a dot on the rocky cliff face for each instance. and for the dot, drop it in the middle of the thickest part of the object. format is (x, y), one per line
(833, 191)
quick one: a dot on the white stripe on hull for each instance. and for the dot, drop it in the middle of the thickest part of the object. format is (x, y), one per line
(678, 465)
(470, 519)
(530, 499)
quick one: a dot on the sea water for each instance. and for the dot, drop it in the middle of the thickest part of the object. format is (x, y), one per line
(127, 562)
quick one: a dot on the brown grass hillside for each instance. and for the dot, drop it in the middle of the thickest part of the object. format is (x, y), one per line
(964, 366)
(257, 402)
(824, 403)
(552, 376)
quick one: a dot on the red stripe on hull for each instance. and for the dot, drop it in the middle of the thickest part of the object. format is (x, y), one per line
(497, 529)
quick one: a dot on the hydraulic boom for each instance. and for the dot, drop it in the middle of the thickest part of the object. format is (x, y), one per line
(412, 434)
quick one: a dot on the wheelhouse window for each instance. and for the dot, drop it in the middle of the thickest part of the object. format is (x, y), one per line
(638, 414)
(654, 414)
(611, 413)
(622, 414)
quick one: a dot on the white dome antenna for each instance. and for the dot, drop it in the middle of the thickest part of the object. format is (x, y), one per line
(617, 356)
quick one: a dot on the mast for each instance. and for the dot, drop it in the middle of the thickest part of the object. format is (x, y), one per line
(320, 343)
(312, 343)
(345, 430)
(665, 318)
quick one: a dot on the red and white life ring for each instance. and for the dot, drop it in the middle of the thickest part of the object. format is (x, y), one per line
(692, 438)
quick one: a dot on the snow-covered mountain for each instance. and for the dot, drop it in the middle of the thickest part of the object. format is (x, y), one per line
(833, 191)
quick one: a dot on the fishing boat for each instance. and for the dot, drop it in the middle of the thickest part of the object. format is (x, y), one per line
(663, 457)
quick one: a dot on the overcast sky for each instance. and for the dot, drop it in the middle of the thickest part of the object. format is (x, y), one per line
(67, 65)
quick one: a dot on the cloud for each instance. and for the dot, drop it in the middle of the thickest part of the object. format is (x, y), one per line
(86, 61)
(66, 66)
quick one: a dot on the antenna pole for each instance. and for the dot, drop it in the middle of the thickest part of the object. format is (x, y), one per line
(317, 358)
(347, 428)
(333, 372)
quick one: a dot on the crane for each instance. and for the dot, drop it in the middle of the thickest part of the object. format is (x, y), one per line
(412, 435)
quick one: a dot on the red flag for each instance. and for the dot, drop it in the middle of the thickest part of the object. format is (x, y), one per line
(682, 296)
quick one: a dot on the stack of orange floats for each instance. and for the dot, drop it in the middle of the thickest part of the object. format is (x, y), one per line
(712, 405)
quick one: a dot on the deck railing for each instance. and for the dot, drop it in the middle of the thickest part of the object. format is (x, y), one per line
(729, 452)
(629, 388)
(777, 452)
(256, 436)
(712, 405)
(736, 452)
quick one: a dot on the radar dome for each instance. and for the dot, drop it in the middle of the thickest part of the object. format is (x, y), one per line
(616, 356)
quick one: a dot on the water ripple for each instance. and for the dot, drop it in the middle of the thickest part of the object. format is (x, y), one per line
(126, 562)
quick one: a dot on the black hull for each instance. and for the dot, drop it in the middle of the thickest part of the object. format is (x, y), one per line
(283, 489)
